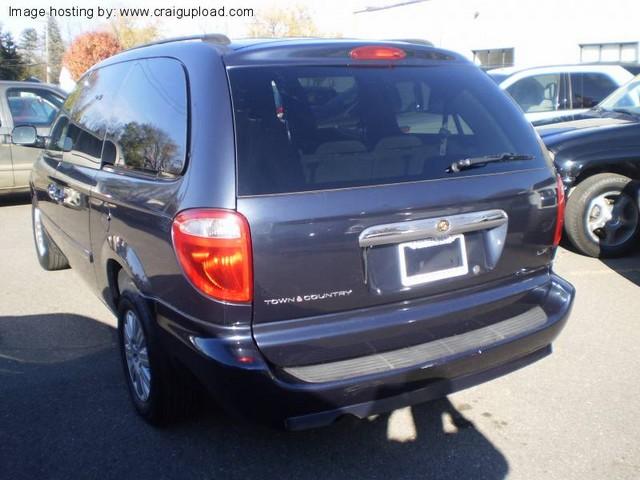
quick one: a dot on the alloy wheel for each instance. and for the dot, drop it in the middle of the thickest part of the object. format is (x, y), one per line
(611, 218)
(137, 355)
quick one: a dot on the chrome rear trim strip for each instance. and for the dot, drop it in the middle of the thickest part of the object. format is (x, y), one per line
(431, 227)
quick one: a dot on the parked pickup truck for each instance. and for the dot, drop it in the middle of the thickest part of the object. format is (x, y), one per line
(24, 103)
(597, 154)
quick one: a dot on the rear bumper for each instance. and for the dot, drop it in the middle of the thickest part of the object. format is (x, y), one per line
(281, 397)
(436, 388)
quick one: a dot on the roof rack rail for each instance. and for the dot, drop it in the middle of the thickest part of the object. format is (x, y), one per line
(217, 38)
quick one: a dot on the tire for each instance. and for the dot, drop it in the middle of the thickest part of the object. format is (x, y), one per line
(49, 255)
(170, 396)
(584, 213)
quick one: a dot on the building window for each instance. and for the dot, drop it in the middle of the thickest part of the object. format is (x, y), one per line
(494, 57)
(609, 52)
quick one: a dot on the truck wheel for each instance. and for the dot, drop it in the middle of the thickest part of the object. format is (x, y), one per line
(159, 394)
(49, 255)
(601, 218)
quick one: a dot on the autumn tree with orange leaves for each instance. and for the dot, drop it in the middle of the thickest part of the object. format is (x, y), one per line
(87, 50)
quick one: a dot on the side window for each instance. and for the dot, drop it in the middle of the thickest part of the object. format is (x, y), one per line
(149, 129)
(538, 93)
(58, 134)
(33, 106)
(588, 89)
(89, 110)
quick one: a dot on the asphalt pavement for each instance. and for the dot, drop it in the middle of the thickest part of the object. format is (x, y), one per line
(65, 413)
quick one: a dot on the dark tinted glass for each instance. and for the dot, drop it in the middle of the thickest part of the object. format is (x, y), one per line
(314, 128)
(587, 89)
(33, 106)
(148, 131)
(89, 109)
(58, 133)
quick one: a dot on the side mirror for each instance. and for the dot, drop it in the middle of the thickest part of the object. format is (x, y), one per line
(25, 135)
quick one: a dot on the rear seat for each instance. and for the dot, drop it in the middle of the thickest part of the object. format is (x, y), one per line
(400, 155)
(349, 160)
(341, 161)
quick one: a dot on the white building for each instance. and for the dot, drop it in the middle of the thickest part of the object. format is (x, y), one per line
(511, 32)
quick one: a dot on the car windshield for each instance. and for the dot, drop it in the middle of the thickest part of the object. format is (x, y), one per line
(626, 98)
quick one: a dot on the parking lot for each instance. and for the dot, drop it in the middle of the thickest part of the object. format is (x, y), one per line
(64, 411)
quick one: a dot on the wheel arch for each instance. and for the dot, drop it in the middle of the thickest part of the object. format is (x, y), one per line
(123, 271)
(619, 169)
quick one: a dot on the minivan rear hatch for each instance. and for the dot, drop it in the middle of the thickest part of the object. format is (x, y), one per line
(344, 175)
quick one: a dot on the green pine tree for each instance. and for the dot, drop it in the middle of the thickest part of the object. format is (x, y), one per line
(56, 49)
(11, 65)
(30, 47)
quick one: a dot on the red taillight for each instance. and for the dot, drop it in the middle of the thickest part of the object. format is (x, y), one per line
(377, 53)
(557, 236)
(214, 250)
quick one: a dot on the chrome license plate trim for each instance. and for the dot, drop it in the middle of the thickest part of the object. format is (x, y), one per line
(422, 278)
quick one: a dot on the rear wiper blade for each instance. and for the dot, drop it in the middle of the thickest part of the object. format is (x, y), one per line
(471, 162)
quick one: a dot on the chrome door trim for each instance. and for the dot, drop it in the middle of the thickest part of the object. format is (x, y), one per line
(428, 227)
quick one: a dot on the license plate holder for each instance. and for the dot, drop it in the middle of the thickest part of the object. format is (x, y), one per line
(430, 260)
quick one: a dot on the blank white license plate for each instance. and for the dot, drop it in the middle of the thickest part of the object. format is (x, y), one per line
(425, 261)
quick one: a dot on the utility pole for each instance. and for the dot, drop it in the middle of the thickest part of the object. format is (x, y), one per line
(46, 51)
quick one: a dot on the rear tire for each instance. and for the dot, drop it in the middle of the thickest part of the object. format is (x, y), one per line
(49, 255)
(602, 216)
(166, 395)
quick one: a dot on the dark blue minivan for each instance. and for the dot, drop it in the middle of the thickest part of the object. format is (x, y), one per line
(308, 228)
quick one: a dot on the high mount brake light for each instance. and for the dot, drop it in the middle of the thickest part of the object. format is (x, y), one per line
(214, 250)
(557, 236)
(377, 53)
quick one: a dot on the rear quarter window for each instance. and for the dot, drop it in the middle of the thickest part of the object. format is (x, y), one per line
(148, 120)
(316, 128)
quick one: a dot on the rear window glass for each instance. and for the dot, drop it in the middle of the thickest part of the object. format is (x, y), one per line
(316, 128)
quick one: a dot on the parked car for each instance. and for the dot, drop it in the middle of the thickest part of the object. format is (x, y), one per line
(280, 224)
(23, 103)
(597, 153)
(547, 92)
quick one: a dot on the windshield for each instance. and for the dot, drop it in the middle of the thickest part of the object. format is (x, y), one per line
(316, 128)
(625, 98)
